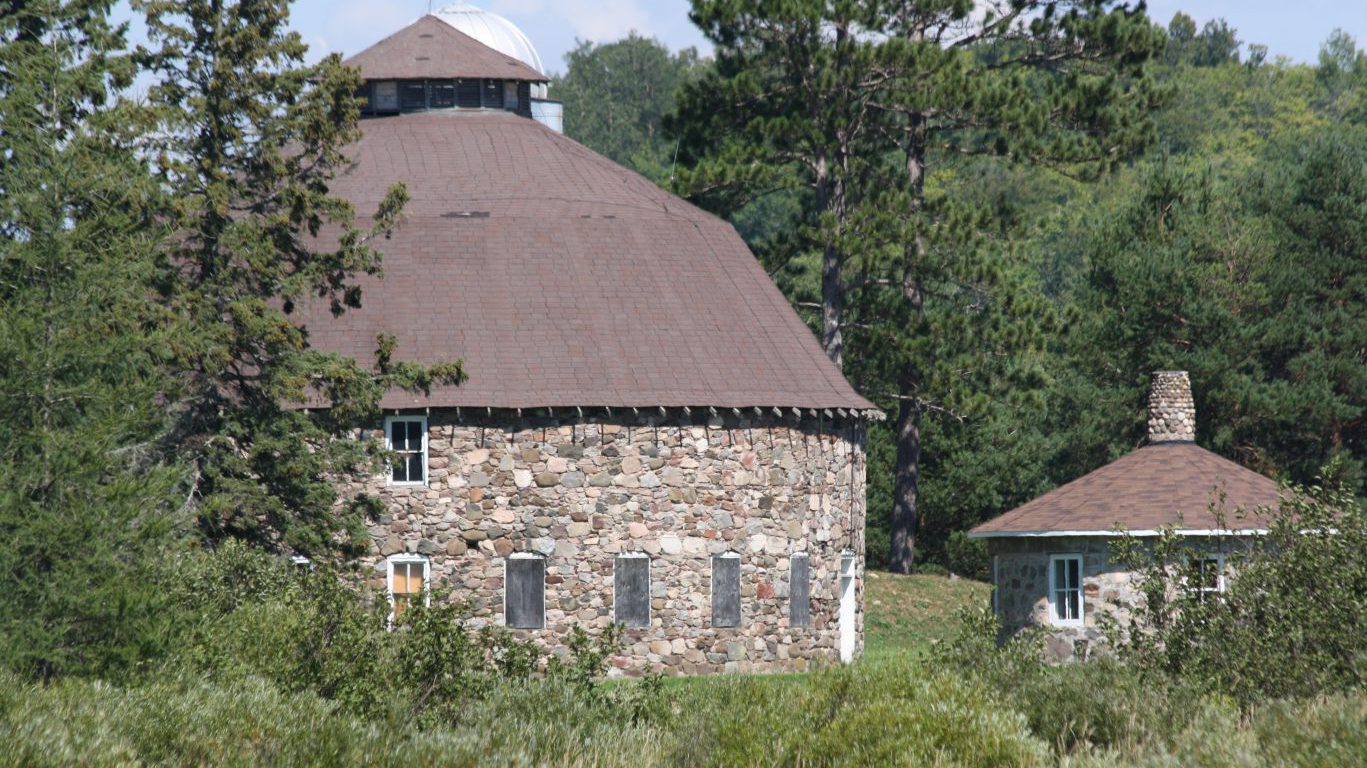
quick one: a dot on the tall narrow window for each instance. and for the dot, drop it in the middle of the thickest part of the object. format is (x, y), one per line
(491, 95)
(726, 590)
(407, 583)
(385, 96)
(406, 436)
(1207, 576)
(799, 590)
(467, 93)
(441, 94)
(524, 591)
(631, 589)
(412, 96)
(1065, 590)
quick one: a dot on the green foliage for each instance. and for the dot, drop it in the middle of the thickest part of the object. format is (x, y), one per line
(86, 510)
(1288, 624)
(1256, 285)
(861, 113)
(616, 96)
(247, 139)
(968, 557)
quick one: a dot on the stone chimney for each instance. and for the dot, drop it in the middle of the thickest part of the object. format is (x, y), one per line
(1172, 413)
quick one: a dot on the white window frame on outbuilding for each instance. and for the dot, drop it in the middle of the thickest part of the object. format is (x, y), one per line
(1055, 614)
(407, 560)
(1200, 590)
(389, 423)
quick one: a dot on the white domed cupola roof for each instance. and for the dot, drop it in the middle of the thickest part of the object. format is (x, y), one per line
(492, 30)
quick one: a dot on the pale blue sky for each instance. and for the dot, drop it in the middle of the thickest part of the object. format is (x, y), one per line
(1292, 28)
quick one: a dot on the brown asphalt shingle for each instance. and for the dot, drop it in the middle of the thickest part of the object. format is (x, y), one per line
(1162, 484)
(563, 279)
(431, 48)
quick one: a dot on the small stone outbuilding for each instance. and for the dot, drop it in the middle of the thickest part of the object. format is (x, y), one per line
(649, 434)
(1051, 557)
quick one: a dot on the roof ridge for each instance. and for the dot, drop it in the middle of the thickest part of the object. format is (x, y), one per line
(482, 61)
(461, 36)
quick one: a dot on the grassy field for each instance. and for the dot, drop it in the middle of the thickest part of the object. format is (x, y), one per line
(910, 614)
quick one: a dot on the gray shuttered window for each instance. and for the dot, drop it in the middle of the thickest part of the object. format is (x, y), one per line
(524, 588)
(726, 590)
(631, 590)
(799, 591)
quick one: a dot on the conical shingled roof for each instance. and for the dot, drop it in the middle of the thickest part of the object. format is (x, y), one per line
(563, 279)
(431, 48)
(1171, 483)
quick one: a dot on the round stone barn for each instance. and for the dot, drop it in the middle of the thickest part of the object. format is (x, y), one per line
(649, 434)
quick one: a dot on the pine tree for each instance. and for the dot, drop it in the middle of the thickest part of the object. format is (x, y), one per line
(249, 139)
(861, 102)
(86, 514)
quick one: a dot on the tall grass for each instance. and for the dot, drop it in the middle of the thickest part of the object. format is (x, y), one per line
(898, 712)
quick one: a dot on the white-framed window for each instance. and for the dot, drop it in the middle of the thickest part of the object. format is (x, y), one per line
(408, 575)
(1065, 590)
(1207, 576)
(524, 591)
(406, 436)
(631, 590)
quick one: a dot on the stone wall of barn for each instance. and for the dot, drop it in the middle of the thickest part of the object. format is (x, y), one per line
(579, 491)
(1021, 595)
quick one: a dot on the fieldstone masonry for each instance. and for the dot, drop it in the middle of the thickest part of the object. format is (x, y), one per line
(580, 491)
(1172, 412)
(1022, 592)
(1021, 576)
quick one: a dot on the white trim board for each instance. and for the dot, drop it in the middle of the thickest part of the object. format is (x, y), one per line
(1112, 533)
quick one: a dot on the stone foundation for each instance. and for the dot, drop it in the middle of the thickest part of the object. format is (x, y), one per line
(579, 491)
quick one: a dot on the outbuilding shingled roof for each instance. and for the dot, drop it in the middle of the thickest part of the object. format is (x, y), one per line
(1172, 483)
(563, 279)
(431, 48)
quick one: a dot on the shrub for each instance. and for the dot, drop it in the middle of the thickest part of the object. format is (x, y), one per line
(1290, 622)
(968, 556)
(893, 713)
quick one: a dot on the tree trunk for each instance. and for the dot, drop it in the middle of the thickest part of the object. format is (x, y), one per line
(907, 471)
(907, 475)
(832, 306)
(830, 197)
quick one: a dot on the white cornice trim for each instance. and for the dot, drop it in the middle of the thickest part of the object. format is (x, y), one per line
(1112, 533)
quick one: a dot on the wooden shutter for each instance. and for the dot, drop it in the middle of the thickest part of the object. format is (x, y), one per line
(631, 590)
(726, 590)
(799, 591)
(525, 592)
